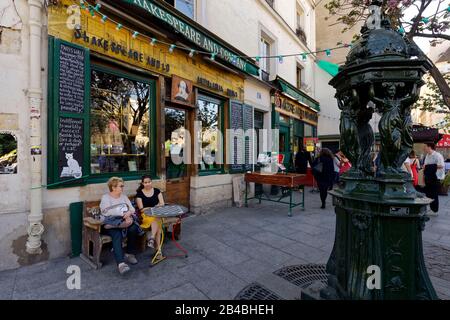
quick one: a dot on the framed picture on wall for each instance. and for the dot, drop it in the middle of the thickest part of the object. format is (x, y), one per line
(182, 91)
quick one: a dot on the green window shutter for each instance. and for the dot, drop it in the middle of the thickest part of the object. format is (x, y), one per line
(68, 108)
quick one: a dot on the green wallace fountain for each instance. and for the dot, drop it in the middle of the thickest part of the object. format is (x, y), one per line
(379, 216)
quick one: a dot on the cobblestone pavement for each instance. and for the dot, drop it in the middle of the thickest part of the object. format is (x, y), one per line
(228, 250)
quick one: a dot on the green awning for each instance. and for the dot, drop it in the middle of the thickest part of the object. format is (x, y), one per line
(297, 94)
(331, 68)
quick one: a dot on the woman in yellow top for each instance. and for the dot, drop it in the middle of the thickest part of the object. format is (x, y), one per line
(149, 197)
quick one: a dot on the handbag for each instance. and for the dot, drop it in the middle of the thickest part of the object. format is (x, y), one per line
(318, 167)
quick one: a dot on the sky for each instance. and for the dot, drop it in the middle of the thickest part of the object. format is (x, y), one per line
(424, 43)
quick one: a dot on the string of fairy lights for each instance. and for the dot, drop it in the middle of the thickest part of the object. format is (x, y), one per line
(95, 11)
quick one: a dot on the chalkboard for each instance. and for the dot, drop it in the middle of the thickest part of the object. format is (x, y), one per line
(236, 123)
(70, 147)
(248, 125)
(71, 79)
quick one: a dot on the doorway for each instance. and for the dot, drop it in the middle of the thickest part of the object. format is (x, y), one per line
(176, 155)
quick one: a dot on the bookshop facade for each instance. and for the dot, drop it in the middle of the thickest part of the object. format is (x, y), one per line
(129, 95)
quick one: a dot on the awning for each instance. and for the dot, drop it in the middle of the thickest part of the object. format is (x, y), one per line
(331, 68)
(444, 142)
(296, 94)
(423, 134)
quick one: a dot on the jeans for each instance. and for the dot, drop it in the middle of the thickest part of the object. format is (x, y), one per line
(117, 238)
(432, 192)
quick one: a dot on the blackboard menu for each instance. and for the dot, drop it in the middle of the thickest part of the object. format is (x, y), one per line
(236, 122)
(71, 79)
(248, 125)
(70, 147)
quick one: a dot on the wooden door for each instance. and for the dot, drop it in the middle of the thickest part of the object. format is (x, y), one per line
(178, 172)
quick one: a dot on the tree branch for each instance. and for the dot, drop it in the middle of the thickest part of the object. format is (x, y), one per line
(434, 36)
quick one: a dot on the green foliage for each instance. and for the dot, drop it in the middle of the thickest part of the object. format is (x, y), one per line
(432, 100)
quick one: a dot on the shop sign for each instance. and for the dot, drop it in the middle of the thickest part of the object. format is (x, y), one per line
(444, 142)
(216, 87)
(121, 50)
(194, 35)
(310, 143)
(297, 111)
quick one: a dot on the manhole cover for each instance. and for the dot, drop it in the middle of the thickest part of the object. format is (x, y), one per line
(304, 275)
(255, 291)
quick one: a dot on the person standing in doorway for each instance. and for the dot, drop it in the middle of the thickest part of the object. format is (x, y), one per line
(323, 171)
(434, 174)
(302, 158)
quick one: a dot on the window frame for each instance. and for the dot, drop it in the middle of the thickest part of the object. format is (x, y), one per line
(134, 175)
(201, 95)
(194, 9)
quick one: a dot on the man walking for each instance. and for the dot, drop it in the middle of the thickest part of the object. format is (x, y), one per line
(434, 173)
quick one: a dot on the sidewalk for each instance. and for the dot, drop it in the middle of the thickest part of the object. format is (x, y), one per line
(228, 250)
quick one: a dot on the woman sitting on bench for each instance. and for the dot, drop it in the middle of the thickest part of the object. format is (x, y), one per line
(119, 222)
(149, 197)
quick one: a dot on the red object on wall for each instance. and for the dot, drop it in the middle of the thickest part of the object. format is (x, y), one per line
(444, 142)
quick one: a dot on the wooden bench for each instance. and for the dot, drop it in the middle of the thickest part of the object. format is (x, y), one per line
(93, 240)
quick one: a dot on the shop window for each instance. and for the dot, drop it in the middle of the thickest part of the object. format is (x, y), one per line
(175, 134)
(187, 7)
(310, 131)
(209, 114)
(8, 153)
(119, 124)
(265, 64)
(299, 76)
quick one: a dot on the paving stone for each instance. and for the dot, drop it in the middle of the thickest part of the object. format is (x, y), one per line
(184, 292)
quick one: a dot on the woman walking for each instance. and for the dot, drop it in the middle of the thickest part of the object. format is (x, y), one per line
(323, 170)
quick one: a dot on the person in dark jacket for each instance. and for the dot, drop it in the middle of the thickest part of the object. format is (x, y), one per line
(432, 185)
(302, 158)
(323, 171)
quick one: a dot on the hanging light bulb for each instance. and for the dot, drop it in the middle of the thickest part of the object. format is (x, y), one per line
(280, 59)
(82, 4)
(191, 53)
(135, 34)
(328, 52)
(304, 56)
(119, 26)
(448, 8)
(425, 20)
(97, 6)
(401, 30)
(92, 12)
(153, 41)
(171, 48)
(104, 17)
(213, 56)
(257, 59)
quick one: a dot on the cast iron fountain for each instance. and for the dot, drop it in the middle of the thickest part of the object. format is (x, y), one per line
(379, 215)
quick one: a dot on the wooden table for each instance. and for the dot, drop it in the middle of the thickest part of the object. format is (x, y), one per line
(288, 181)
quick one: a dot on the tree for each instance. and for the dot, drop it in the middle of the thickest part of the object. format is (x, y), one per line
(432, 101)
(434, 26)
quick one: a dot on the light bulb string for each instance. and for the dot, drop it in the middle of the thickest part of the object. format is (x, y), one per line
(153, 40)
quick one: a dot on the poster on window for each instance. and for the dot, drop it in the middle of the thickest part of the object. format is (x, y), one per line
(182, 91)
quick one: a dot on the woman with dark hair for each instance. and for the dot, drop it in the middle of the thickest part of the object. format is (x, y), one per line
(148, 197)
(323, 171)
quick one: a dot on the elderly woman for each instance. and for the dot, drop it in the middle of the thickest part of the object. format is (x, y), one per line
(119, 222)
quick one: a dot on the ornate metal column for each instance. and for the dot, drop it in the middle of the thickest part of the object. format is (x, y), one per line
(379, 215)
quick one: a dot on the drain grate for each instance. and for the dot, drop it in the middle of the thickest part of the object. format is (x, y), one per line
(255, 291)
(304, 275)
